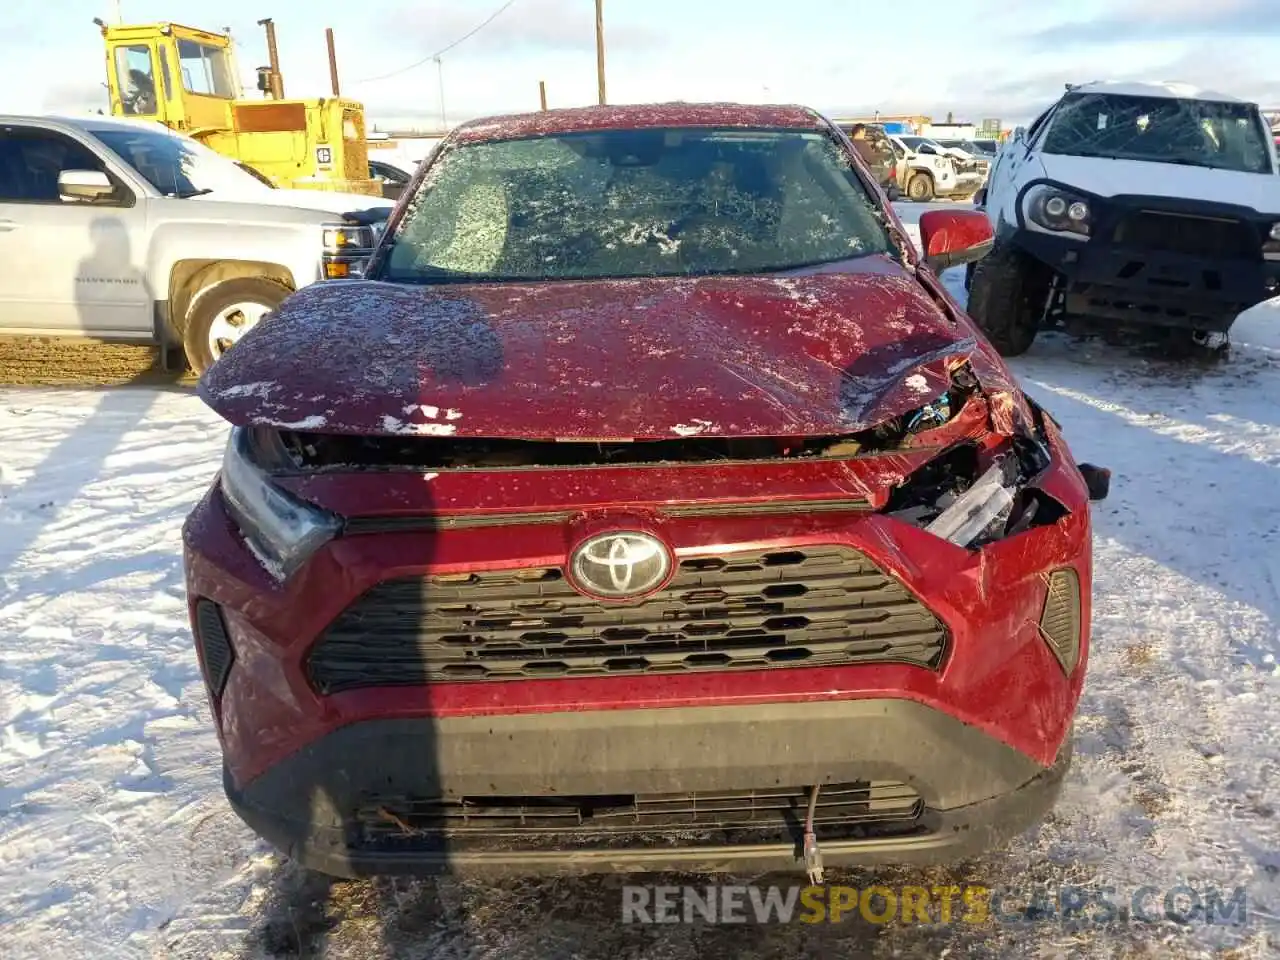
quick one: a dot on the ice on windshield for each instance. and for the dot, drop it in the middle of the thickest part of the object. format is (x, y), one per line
(179, 167)
(627, 203)
(1226, 136)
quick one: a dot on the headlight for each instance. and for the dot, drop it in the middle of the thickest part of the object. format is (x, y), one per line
(346, 249)
(952, 498)
(339, 237)
(984, 505)
(1058, 211)
(281, 529)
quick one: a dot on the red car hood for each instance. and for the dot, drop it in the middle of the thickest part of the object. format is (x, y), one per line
(813, 355)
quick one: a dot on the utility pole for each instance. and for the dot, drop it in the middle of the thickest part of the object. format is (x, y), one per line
(119, 15)
(600, 49)
(333, 62)
(542, 93)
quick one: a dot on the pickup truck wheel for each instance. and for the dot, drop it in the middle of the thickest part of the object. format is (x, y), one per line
(224, 314)
(1007, 294)
(920, 188)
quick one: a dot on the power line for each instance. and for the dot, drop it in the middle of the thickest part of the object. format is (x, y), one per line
(443, 50)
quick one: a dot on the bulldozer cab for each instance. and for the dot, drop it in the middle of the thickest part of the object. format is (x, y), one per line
(182, 77)
(188, 80)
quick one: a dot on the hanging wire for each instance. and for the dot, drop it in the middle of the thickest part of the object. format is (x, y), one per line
(443, 50)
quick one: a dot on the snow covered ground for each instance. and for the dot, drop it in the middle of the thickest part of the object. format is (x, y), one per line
(115, 840)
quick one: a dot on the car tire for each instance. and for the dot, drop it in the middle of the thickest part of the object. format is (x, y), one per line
(251, 299)
(1006, 299)
(920, 187)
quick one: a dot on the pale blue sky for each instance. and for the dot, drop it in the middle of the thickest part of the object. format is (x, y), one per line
(979, 58)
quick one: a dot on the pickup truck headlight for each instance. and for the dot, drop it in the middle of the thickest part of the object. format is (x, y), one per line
(346, 249)
(281, 529)
(1058, 211)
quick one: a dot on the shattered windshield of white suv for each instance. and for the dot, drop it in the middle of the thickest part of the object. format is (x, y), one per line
(1202, 133)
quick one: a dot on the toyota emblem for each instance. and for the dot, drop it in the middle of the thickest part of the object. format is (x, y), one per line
(620, 566)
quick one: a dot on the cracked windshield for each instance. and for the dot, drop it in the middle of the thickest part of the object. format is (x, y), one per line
(653, 202)
(1223, 136)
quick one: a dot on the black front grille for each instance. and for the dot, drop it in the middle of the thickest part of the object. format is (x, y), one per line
(844, 811)
(823, 606)
(1157, 231)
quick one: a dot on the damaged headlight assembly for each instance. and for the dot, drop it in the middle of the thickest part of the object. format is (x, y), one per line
(280, 528)
(1053, 210)
(968, 503)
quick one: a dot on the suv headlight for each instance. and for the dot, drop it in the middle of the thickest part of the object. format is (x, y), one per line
(1058, 211)
(281, 529)
(955, 499)
(346, 249)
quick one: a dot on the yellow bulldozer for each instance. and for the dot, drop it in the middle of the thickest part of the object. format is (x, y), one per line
(187, 79)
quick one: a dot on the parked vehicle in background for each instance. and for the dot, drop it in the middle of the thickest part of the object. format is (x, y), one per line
(970, 148)
(651, 492)
(925, 175)
(188, 80)
(1131, 209)
(971, 169)
(392, 178)
(877, 153)
(125, 230)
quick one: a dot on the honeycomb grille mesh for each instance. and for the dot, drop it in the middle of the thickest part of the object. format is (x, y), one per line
(1060, 621)
(817, 606)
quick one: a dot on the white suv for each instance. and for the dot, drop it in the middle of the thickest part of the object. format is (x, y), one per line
(1131, 208)
(923, 175)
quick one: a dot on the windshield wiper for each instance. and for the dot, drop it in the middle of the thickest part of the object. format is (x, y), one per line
(429, 276)
(188, 194)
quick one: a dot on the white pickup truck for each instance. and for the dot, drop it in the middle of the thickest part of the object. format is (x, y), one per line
(124, 230)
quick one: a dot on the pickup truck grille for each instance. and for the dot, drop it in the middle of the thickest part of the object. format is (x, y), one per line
(856, 810)
(1217, 238)
(817, 606)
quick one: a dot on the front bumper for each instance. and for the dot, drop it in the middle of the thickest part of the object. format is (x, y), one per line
(1160, 280)
(302, 763)
(974, 792)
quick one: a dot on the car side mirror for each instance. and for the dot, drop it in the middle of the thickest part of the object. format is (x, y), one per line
(75, 186)
(1097, 479)
(950, 238)
(1019, 133)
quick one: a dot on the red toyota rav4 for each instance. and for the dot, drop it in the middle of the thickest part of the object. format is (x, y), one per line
(649, 503)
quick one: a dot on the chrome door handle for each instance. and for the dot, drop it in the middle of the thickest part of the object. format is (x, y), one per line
(7, 225)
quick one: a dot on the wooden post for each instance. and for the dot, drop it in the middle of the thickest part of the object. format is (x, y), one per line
(542, 93)
(600, 49)
(333, 62)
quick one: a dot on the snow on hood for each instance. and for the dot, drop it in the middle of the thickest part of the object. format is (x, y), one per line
(328, 201)
(795, 356)
(1111, 178)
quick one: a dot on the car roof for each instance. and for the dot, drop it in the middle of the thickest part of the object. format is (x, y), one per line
(638, 116)
(91, 122)
(1171, 89)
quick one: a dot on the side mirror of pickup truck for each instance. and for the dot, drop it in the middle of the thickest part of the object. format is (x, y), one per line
(75, 186)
